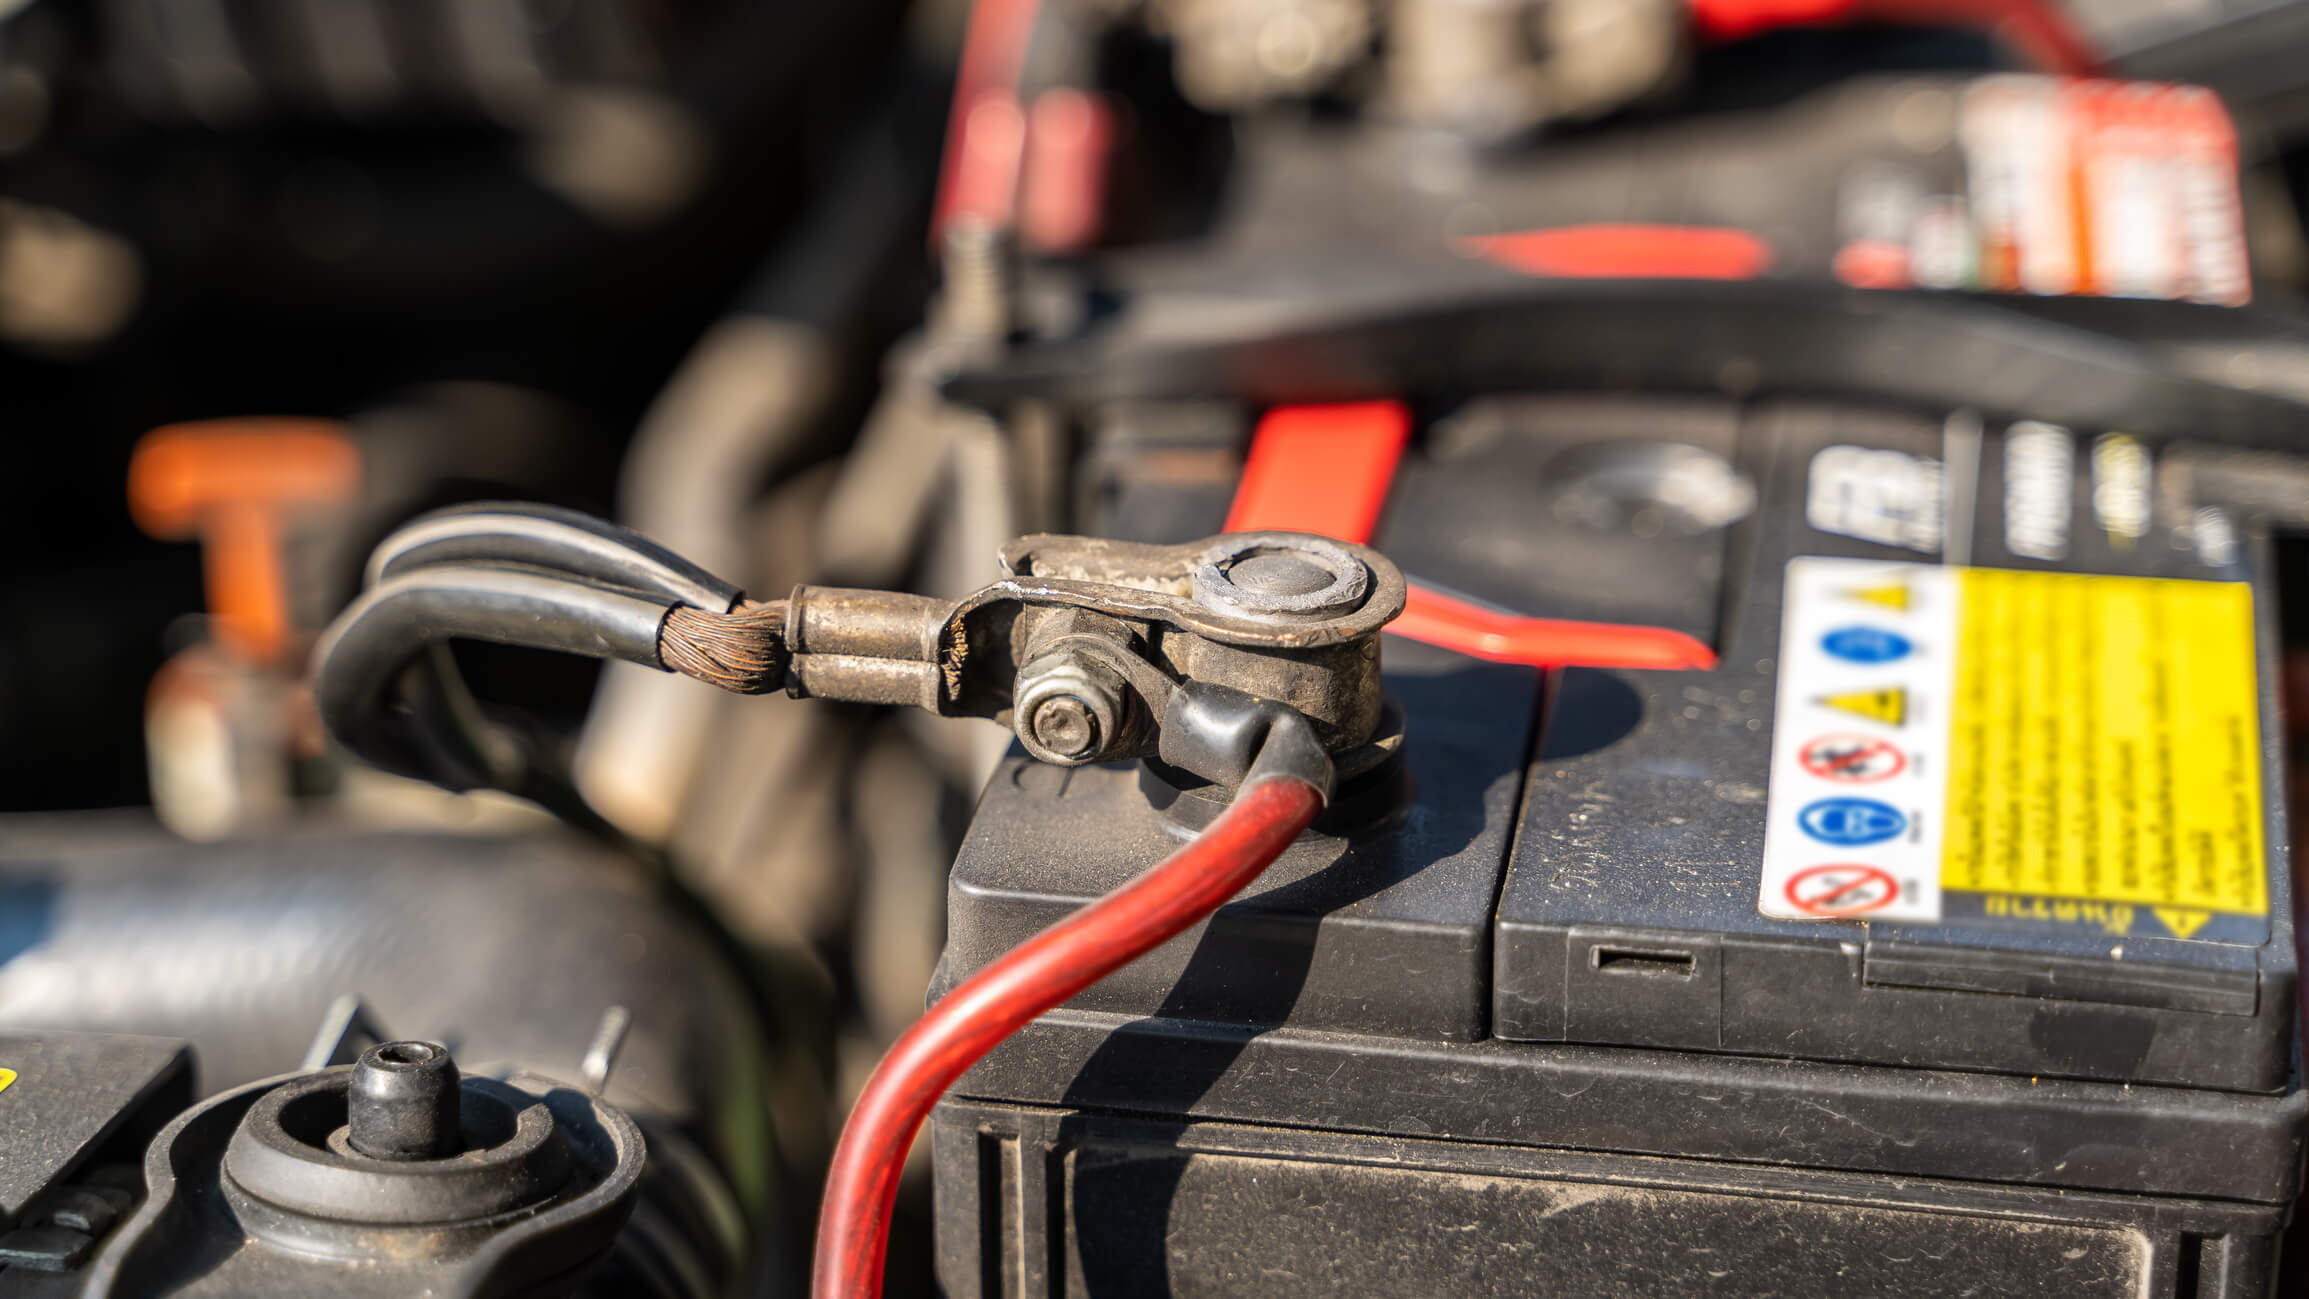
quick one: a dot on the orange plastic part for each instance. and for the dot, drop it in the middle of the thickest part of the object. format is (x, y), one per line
(232, 483)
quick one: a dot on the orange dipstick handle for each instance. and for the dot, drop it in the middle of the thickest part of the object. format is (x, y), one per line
(233, 483)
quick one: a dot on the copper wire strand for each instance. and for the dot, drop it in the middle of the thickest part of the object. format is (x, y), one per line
(743, 651)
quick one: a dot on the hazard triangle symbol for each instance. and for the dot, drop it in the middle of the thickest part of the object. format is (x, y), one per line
(1889, 706)
(2182, 921)
(1891, 595)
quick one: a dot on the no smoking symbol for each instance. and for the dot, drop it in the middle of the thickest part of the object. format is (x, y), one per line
(1848, 889)
(1854, 759)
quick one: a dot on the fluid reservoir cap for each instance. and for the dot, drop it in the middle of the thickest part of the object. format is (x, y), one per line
(398, 1138)
(263, 1191)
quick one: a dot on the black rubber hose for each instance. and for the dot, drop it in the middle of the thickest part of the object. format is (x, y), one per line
(553, 538)
(362, 658)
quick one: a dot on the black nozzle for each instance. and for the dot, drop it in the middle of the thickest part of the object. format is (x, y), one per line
(403, 1102)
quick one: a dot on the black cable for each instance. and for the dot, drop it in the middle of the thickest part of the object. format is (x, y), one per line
(537, 576)
(548, 537)
(365, 656)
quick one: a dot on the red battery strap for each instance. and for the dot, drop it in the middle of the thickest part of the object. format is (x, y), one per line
(1321, 469)
(1471, 629)
(1326, 469)
(1627, 252)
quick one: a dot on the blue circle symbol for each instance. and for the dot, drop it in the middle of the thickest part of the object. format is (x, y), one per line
(1851, 822)
(1866, 644)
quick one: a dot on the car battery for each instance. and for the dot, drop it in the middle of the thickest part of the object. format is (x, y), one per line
(1936, 940)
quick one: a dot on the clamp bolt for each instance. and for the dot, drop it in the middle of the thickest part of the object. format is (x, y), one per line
(1069, 709)
(1065, 725)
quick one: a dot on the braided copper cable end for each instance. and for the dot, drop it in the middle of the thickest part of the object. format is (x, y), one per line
(743, 651)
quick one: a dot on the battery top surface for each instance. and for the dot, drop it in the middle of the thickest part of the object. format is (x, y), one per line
(1983, 779)
(2004, 801)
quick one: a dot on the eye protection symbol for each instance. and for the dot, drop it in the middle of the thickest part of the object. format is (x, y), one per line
(1851, 822)
(1866, 645)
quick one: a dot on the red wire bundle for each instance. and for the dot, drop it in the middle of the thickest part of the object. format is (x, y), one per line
(1042, 972)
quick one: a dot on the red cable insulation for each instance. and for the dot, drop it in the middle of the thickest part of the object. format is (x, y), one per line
(1040, 973)
(2039, 29)
(985, 128)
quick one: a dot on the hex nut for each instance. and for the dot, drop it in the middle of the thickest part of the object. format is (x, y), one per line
(1068, 710)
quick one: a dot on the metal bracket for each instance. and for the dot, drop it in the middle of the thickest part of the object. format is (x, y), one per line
(1083, 645)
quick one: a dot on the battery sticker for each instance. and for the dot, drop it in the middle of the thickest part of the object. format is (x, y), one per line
(2070, 186)
(2051, 749)
(1881, 496)
(2120, 188)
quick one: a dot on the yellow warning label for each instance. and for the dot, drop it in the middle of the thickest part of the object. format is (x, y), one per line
(7, 1076)
(1892, 595)
(2104, 744)
(1889, 706)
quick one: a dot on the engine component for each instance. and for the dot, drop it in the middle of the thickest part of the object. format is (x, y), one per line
(404, 1102)
(242, 946)
(389, 1176)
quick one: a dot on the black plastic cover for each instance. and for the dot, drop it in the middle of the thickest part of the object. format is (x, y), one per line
(70, 1095)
